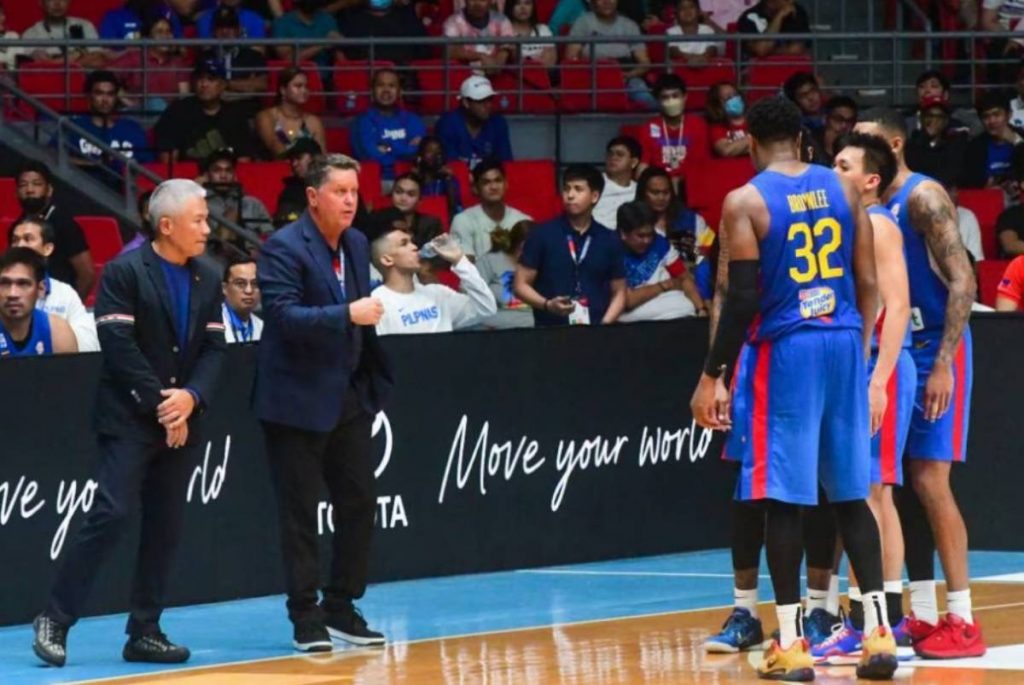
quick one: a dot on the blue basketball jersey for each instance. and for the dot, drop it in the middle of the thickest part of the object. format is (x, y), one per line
(928, 292)
(807, 278)
(879, 210)
(40, 338)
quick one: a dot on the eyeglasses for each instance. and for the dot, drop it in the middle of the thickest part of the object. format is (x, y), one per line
(244, 285)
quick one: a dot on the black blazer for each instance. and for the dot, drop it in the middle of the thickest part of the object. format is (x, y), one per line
(141, 355)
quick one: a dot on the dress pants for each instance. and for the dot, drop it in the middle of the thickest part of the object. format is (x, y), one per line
(130, 472)
(302, 463)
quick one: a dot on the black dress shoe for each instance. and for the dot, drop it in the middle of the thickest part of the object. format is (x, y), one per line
(350, 626)
(311, 636)
(51, 640)
(155, 649)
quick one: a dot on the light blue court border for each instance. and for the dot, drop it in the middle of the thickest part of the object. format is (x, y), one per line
(420, 609)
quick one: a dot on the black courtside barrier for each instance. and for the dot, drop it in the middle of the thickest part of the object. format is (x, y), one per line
(501, 450)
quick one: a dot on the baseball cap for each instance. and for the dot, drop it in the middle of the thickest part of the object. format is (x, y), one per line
(304, 146)
(225, 17)
(934, 101)
(210, 67)
(476, 88)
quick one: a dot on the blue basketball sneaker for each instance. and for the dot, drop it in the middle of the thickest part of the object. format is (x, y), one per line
(901, 632)
(740, 632)
(844, 641)
(818, 626)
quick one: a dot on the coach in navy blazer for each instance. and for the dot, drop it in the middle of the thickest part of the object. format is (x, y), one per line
(321, 378)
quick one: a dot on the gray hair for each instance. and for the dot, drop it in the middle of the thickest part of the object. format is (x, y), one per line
(169, 196)
(322, 165)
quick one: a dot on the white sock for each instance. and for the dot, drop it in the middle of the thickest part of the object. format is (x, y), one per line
(875, 612)
(746, 599)
(791, 626)
(894, 587)
(854, 593)
(816, 599)
(959, 604)
(923, 601)
(832, 604)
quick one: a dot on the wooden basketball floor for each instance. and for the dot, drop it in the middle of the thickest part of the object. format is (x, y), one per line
(657, 648)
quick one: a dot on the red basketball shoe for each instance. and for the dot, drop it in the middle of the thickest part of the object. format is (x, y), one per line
(954, 638)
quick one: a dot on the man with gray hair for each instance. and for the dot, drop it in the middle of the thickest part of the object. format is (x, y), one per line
(321, 377)
(159, 321)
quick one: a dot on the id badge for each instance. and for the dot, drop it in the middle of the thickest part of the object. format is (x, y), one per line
(580, 316)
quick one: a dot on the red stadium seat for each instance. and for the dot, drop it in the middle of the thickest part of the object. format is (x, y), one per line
(579, 80)
(700, 78)
(532, 184)
(57, 88)
(436, 94)
(165, 170)
(339, 139)
(436, 206)
(990, 272)
(369, 184)
(9, 198)
(264, 180)
(987, 204)
(104, 239)
(317, 103)
(706, 191)
(353, 80)
(767, 74)
(5, 226)
(545, 8)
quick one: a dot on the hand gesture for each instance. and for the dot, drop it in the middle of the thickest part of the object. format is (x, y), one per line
(174, 411)
(560, 306)
(878, 401)
(447, 248)
(366, 312)
(938, 392)
(710, 403)
(177, 437)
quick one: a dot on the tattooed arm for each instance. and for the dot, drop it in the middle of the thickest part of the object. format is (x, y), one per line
(933, 215)
(721, 283)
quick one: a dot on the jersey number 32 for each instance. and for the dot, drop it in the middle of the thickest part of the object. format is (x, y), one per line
(815, 257)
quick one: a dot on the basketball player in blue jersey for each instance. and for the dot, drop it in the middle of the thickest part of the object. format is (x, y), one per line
(802, 293)
(868, 162)
(24, 330)
(942, 290)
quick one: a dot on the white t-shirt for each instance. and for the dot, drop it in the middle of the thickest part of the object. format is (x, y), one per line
(63, 301)
(473, 228)
(612, 197)
(436, 308)
(672, 304)
(1010, 11)
(970, 233)
(43, 31)
(695, 47)
(534, 50)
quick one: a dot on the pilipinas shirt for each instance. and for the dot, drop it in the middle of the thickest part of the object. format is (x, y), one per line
(39, 342)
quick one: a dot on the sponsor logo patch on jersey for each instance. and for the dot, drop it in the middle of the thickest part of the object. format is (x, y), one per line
(817, 302)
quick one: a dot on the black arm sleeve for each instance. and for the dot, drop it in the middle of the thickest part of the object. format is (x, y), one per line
(738, 310)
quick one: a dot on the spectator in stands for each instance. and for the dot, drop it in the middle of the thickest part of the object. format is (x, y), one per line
(523, 15)
(567, 12)
(606, 21)
(291, 203)
(472, 132)
(1001, 15)
(621, 159)
(803, 89)
(410, 307)
(774, 16)
(990, 153)
(690, 22)
(840, 118)
(936, 148)
(26, 330)
(684, 228)
(57, 298)
(498, 269)
(1010, 293)
(473, 227)
(970, 228)
(166, 70)
(194, 127)
(387, 132)
(252, 24)
(933, 87)
(673, 140)
(56, 25)
(144, 231)
(405, 197)
(120, 133)
(478, 20)
(241, 298)
(385, 19)
(8, 56)
(307, 20)
(571, 269)
(438, 179)
(725, 12)
(128, 22)
(658, 286)
(226, 197)
(245, 67)
(1010, 224)
(727, 121)
(278, 127)
(71, 260)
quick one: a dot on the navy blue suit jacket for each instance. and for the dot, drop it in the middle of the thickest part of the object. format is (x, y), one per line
(305, 360)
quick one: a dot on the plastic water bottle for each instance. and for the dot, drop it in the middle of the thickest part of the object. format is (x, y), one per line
(431, 249)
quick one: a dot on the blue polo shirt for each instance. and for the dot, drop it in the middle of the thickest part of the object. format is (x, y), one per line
(491, 142)
(399, 133)
(124, 23)
(547, 251)
(252, 24)
(124, 135)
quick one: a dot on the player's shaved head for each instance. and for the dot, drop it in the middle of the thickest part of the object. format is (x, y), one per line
(774, 120)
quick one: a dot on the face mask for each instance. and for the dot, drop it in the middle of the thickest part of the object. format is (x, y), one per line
(734, 106)
(672, 107)
(33, 205)
(380, 5)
